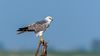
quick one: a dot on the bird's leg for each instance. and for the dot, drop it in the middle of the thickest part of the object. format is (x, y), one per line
(41, 39)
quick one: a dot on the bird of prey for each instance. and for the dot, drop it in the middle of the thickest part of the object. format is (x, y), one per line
(38, 27)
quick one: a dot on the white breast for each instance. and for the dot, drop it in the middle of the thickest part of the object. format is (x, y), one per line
(39, 33)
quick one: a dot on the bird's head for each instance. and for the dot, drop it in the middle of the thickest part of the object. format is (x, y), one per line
(49, 18)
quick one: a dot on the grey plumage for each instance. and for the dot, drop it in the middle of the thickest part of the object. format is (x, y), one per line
(36, 27)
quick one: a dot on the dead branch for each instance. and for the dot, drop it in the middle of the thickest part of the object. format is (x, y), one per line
(44, 50)
(37, 51)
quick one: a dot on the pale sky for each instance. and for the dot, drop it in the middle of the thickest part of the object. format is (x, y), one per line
(76, 23)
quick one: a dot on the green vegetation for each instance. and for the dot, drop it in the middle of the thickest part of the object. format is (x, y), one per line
(50, 53)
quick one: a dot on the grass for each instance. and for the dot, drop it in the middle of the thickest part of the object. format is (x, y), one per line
(50, 53)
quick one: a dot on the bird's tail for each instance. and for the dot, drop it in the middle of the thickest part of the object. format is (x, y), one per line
(22, 30)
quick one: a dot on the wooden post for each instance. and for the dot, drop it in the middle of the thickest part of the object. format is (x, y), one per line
(37, 51)
(44, 50)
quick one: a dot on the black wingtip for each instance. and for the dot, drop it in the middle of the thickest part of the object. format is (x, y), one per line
(19, 31)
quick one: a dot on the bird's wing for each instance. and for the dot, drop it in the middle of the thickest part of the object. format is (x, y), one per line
(41, 22)
(38, 26)
(31, 27)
